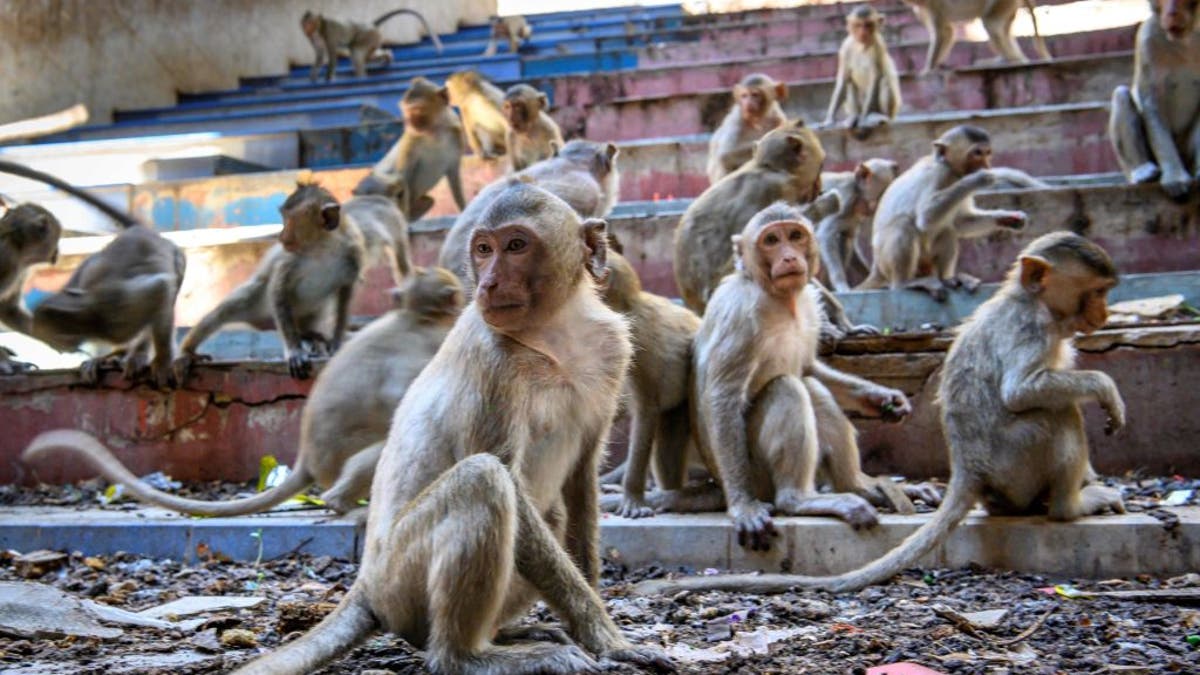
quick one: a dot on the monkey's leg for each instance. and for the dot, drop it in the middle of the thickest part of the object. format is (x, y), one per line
(238, 306)
(782, 429)
(641, 441)
(354, 482)
(10, 366)
(1000, 37)
(616, 475)
(673, 447)
(1071, 468)
(454, 179)
(1193, 148)
(941, 39)
(832, 245)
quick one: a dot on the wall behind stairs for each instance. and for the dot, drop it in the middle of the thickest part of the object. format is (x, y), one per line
(137, 53)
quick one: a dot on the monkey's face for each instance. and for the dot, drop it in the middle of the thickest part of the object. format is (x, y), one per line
(784, 254)
(308, 222)
(39, 233)
(516, 112)
(309, 23)
(752, 100)
(1177, 17)
(862, 30)
(967, 158)
(1076, 296)
(510, 266)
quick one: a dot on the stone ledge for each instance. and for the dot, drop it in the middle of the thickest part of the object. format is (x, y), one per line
(1099, 547)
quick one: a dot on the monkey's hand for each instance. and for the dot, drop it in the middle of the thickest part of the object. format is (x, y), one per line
(1013, 220)
(863, 329)
(646, 657)
(634, 507)
(300, 364)
(923, 491)
(753, 523)
(890, 404)
(1176, 184)
(1146, 173)
(10, 366)
(183, 364)
(1114, 407)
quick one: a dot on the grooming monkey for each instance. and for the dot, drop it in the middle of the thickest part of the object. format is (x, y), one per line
(867, 84)
(485, 495)
(925, 211)
(480, 103)
(859, 192)
(346, 416)
(28, 236)
(515, 29)
(331, 38)
(302, 286)
(997, 17)
(1010, 398)
(123, 295)
(583, 174)
(1155, 127)
(532, 134)
(756, 110)
(659, 426)
(430, 147)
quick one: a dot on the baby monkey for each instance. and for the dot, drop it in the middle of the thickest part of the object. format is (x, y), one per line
(1010, 398)
(515, 29)
(867, 85)
(532, 134)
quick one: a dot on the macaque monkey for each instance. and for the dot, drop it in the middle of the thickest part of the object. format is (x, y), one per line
(925, 211)
(484, 499)
(346, 417)
(997, 17)
(1155, 127)
(123, 295)
(766, 412)
(756, 110)
(583, 174)
(786, 166)
(515, 29)
(659, 427)
(532, 134)
(331, 38)
(867, 84)
(302, 286)
(480, 103)
(859, 192)
(385, 233)
(430, 147)
(1010, 398)
(28, 236)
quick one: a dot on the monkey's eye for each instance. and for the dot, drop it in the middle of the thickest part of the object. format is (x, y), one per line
(796, 235)
(771, 239)
(483, 249)
(515, 245)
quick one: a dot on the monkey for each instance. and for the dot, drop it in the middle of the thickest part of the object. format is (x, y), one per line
(430, 147)
(786, 166)
(662, 334)
(123, 295)
(309, 274)
(859, 192)
(1155, 126)
(484, 498)
(766, 412)
(345, 419)
(532, 134)
(331, 38)
(756, 110)
(515, 29)
(997, 17)
(480, 103)
(867, 83)
(384, 230)
(1010, 400)
(928, 208)
(29, 236)
(583, 174)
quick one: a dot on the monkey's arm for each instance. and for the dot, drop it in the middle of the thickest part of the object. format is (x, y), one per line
(318, 44)
(582, 494)
(839, 89)
(971, 223)
(285, 320)
(14, 315)
(1162, 141)
(937, 206)
(863, 396)
(1031, 386)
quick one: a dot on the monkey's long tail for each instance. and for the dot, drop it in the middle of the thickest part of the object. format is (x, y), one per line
(83, 445)
(959, 500)
(121, 217)
(437, 42)
(349, 624)
(1038, 41)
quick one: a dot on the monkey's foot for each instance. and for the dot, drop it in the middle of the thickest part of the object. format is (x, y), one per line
(754, 526)
(161, 375)
(10, 366)
(856, 511)
(92, 370)
(646, 657)
(1177, 187)
(933, 287)
(539, 632)
(863, 329)
(1093, 500)
(135, 364)
(1146, 173)
(300, 365)
(316, 344)
(924, 492)
(524, 659)
(634, 507)
(964, 281)
(883, 493)
(183, 364)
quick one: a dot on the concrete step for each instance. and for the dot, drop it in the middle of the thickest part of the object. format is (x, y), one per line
(1099, 547)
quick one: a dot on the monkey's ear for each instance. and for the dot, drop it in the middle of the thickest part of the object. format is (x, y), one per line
(554, 149)
(862, 171)
(397, 295)
(331, 215)
(880, 19)
(895, 167)
(939, 148)
(444, 94)
(798, 123)
(594, 238)
(543, 100)
(1033, 273)
(780, 91)
(610, 154)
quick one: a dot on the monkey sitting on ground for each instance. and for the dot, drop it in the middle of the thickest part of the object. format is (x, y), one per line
(480, 103)
(346, 417)
(515, 29)
(583, 174)
(331, 38)
(1010, 400)
(766, 412)
(532, 134)
(867, 83)
(484, 499)
(859, 192)
(302, 283)
(1155, 128)
(997, 17)
(925, 211)
(756, 110)
(430, 147)
(28, 236)
(123, 295)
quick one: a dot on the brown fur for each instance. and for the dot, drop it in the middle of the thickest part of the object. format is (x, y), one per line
(867, 85)
(480, 103)
(756, 110)
(28, 236)
(513, 29)
(363, 43)
(532, 134)
(939, 17)
(859, 192)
